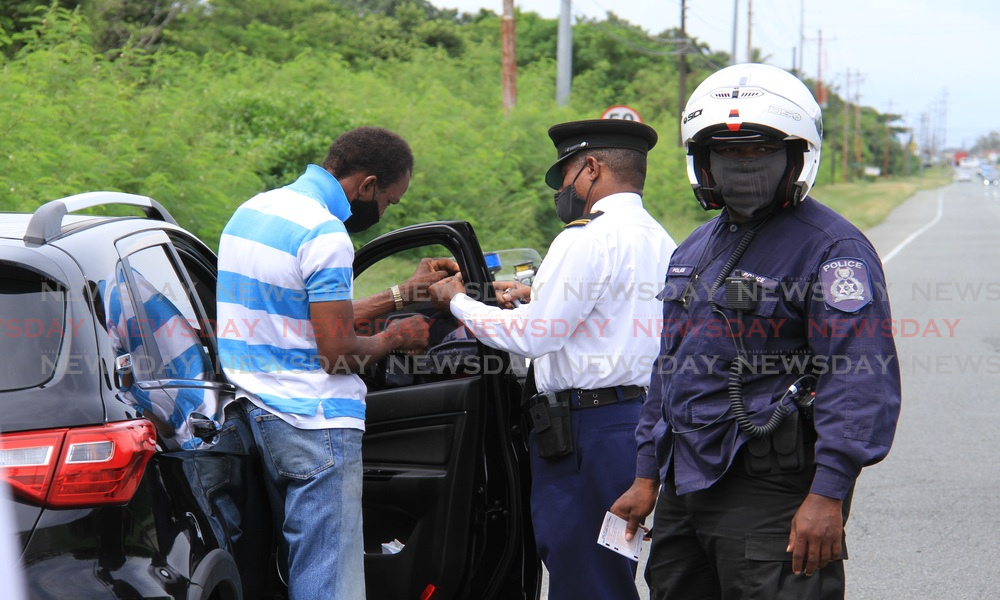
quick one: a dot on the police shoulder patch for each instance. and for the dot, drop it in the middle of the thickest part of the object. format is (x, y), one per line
(583, 220)
(846, 284)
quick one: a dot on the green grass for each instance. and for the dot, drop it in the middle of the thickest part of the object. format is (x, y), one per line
(388, 271)
(864, 203)
(868, 203)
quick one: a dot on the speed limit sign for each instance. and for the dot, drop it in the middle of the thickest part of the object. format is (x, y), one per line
(620, 111)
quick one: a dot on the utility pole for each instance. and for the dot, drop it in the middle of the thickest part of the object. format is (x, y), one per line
(682, 57)
(821, 96)
(857, 122)
(944, 118)
(508, 59)
(910, 144)
(885, 155)
(933, 120)
(802, 35)
(564, 54)
(736, 14)
(822, 90)
(749, 30)
(925, 127)
(833, 150)
(846, 115)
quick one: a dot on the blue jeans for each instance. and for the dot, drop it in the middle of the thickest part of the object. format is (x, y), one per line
(314, 478)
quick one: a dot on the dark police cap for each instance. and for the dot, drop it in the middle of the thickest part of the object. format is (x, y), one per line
(576, 136)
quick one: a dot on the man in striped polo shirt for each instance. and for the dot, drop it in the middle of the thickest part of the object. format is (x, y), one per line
(286, 336)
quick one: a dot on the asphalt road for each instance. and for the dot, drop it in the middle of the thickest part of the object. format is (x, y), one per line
(924, 521)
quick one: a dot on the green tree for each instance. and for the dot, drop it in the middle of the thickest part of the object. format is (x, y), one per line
(201, 104)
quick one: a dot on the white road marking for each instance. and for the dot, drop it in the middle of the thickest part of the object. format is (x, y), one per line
(917, 233)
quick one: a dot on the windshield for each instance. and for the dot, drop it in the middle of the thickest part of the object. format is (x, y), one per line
(514, 264)
(32, 325)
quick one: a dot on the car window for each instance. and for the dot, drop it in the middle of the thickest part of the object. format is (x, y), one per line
(160, 277)
(32, 327)
(160, 339)
(452, 353)
(159, 324)
(202, 271)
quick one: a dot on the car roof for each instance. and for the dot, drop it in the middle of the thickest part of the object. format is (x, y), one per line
(14, 225)
(51, 220)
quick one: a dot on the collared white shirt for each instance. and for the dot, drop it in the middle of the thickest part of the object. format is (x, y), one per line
(594, 319)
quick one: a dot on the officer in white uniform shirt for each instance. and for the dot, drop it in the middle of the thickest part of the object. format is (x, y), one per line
(590, 326)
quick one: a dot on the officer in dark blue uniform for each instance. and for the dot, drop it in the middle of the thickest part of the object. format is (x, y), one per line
(777, 380)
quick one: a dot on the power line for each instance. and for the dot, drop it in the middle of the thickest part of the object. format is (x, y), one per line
(711, 23)
(636, 47)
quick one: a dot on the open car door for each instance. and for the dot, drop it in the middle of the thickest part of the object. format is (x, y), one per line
(446, 511)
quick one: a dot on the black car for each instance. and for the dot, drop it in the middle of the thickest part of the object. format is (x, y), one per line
(134, 476)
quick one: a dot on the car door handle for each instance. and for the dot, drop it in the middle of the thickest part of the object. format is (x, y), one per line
(204, 428)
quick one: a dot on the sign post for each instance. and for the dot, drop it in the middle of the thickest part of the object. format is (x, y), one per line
(620, 111)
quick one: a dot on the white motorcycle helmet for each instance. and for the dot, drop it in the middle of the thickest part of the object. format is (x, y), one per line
(753, 102)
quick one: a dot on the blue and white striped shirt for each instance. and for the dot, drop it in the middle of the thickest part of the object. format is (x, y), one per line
(282, 250)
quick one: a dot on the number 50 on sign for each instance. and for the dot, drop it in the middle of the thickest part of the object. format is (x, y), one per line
(620, 111)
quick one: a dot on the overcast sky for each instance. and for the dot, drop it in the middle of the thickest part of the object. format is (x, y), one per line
(935, 62)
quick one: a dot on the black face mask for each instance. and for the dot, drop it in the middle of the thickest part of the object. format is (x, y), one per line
(364, 214)
(748, 185)
(569, 204)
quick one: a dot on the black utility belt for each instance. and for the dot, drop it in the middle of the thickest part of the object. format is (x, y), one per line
(600, 396)
(550, 414)
(552, 424)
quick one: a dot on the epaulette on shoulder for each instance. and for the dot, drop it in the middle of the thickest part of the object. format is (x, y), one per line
(584, 220)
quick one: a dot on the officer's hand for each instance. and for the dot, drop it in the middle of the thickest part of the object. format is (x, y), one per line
(429, 272)
(443, 291)
(817, 530)
(510, 293)
(636, 504)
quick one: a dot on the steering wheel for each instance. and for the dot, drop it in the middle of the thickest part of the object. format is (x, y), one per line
(448, 343)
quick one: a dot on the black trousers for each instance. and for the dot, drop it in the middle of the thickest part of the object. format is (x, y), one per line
(728, 542)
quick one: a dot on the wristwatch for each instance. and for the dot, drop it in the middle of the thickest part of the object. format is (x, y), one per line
(397, 297)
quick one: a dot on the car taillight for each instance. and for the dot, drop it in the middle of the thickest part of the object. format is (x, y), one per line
(81, 466)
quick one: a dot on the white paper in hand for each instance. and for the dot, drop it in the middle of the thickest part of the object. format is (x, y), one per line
(612, 536)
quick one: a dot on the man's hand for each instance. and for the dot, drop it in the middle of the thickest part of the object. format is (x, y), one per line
(410, 334)
(343, 351)
(429, 272)
(443, 291)
(636, 504)
(817, 530)
(518, 291)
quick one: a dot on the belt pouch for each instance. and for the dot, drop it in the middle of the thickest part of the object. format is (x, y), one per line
(789, 447)
(781, 452)
(757, 455)
(550, 418)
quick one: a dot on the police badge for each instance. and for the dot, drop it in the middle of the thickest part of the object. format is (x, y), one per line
(846, 284)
